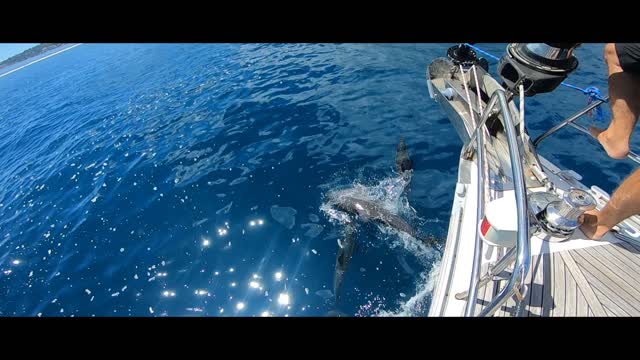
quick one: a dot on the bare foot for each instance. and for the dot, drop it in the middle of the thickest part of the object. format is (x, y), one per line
(615, 148)
(590, 226)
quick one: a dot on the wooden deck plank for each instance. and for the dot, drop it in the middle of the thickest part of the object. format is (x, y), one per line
(614, 264)
(570, 300)
(582, 309)
(624, 253)
(611, 313)
(611, 295)
(612, 308)
(559, 285)
(582, 283)
(548, 289)
(535, 305)
(610, 278)
(527, 281)
(630, 267)
(532, 292)
(602, 280)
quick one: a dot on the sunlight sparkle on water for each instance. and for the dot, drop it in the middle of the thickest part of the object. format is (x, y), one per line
(283, 299)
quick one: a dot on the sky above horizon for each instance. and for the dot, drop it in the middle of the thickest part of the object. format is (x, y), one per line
(8, 50)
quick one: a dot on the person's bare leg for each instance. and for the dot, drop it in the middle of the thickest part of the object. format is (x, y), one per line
(624, 203)
(624, 94)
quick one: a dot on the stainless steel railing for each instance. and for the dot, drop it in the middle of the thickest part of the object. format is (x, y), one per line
(515, 286)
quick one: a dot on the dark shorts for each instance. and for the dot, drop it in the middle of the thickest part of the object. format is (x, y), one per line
(629, 56)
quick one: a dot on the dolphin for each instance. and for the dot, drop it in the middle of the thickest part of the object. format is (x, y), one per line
(403, 161)
(367, 210)
(347, 247)
(370, 211)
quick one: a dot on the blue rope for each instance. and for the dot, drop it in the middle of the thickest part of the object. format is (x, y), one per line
(592, 91)
(483, 52)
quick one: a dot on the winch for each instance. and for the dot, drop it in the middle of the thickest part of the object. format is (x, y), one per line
(559, 216)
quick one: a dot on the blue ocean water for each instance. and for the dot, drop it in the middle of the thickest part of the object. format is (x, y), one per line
(188, 179)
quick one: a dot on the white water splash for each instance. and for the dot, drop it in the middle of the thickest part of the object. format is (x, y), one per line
(418, 304)
(424, 253)
(389, 194)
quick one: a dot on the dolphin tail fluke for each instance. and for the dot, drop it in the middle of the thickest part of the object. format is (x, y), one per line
(403, 161)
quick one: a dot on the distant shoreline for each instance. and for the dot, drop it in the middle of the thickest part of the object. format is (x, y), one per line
(38, 59)
(30, 53)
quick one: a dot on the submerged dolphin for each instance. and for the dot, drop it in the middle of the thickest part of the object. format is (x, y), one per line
(345, 252)
(368, 210)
